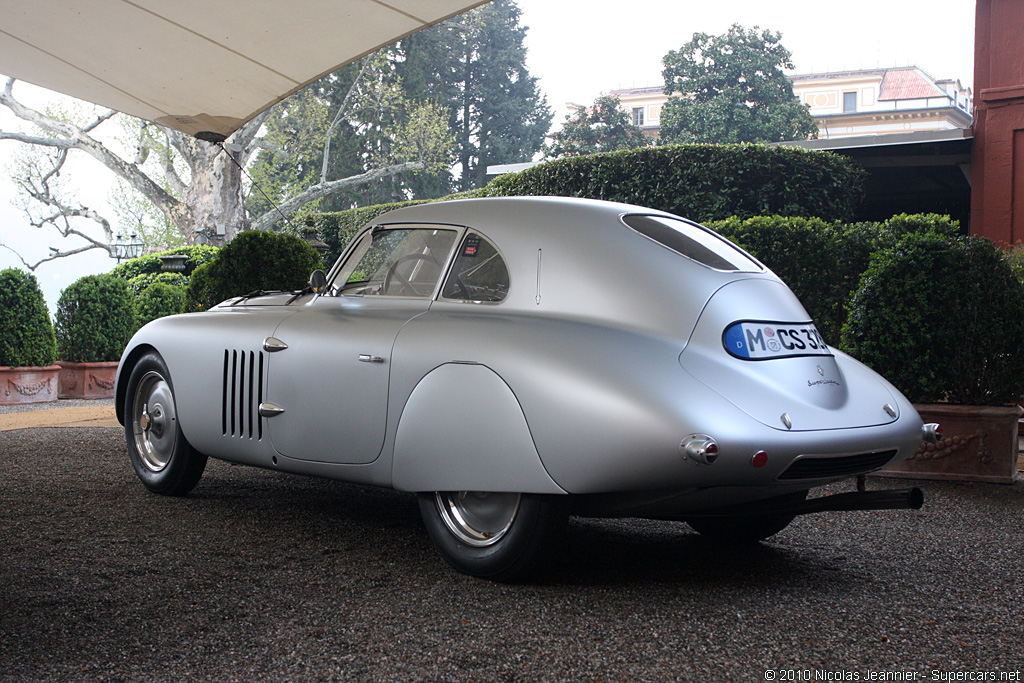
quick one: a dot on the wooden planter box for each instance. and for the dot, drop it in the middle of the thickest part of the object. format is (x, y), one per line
(28, 384)
(979, 443)
(87, 380)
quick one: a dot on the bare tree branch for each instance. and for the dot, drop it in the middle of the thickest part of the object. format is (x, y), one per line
(53, 256)
(100, 119)
(343, 110)
(289, 207)
(73, 137)
(41, 142)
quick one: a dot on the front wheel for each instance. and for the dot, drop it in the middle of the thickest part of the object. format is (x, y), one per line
(497, 536)
(164, 461)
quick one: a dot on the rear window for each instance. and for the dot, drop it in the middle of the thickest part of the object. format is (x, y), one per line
(692, 241)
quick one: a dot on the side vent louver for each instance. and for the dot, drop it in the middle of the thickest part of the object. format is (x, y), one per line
(242, 395)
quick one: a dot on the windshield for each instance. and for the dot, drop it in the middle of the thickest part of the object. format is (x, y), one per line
(402, 261)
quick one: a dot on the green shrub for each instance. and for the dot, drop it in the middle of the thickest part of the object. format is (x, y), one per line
(702, 182)
(197, 255)
(252, 261)
(95, 319)
(803, 252)
(942, 319)
(894, 229)
(141, 282)
(337, 228)
(821, 261)
(26, 334)
(1015, 257)
(158, 300)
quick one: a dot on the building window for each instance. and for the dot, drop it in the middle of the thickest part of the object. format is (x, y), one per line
(638, 116)
(849, 101)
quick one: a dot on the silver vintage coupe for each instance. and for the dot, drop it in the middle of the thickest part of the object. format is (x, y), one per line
(517, 360)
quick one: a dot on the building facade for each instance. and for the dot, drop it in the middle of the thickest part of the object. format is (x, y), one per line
(849, 103)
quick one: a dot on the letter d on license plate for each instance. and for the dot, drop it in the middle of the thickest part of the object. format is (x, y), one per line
(766, 340)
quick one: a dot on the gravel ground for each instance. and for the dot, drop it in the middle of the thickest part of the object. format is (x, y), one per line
(259, 576)
(52, 405)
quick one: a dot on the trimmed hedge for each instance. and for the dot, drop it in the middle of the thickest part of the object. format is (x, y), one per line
(197, 256)
(141, 283)
(703, 182)
(821, 261)
(95, 319)
(26, 334)
(158, 300)
(253, 260)
(942, 319)
(801, 251)
(337, 228)
(700, 182)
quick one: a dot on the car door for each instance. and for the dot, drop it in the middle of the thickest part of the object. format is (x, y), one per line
(329, 366)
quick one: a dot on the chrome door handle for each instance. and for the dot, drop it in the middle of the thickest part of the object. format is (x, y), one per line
(272, 344)
(270, 410)
(367, 358)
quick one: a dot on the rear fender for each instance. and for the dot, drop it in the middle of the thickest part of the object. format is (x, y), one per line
(463, 429)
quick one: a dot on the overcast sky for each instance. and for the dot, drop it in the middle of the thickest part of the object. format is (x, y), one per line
(582, 48)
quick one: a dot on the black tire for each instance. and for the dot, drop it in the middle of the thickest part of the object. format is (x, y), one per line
(747, 529)
(496, 536)
(164, 461)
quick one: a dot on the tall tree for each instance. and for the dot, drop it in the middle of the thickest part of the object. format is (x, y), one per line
(732, 88)
(475, 66)
(354, 119)
(603, 127)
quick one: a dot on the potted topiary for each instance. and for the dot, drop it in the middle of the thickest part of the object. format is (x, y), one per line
(95, 319)
(27, 346)
(943, 319)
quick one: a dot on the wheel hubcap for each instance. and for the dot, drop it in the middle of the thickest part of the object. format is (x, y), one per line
(478, 518)
(153, 421)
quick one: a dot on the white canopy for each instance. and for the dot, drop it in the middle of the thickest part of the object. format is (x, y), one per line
(203, 67)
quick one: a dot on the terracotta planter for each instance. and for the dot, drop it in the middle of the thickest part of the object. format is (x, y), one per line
(979, 444)
(28, 385)
(87, 380)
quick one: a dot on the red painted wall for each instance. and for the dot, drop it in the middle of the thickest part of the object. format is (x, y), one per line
(997, 173)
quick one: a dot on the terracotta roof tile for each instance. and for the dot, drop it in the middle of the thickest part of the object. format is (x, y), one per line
(907, 84)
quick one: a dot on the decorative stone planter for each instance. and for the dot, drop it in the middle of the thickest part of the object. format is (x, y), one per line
(979, 444)
(87, 380)
(28, 385)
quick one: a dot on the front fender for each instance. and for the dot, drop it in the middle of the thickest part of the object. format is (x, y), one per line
(463, 429)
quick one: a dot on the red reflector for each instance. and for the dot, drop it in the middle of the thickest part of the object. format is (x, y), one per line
(712, 448)
(760, 459)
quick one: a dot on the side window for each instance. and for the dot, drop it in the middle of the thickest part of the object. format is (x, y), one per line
(478, 274)
(405, 262)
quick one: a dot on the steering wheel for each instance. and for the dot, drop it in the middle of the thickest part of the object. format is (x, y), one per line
(403, 286)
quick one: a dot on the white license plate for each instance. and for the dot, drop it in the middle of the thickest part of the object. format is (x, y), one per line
(765, 340)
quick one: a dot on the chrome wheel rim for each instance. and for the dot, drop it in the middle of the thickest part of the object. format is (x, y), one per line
(154, 421)
(478, 518)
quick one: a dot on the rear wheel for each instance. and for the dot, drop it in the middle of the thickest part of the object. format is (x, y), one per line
(746, 529)
(498, 536)
(163, 460)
